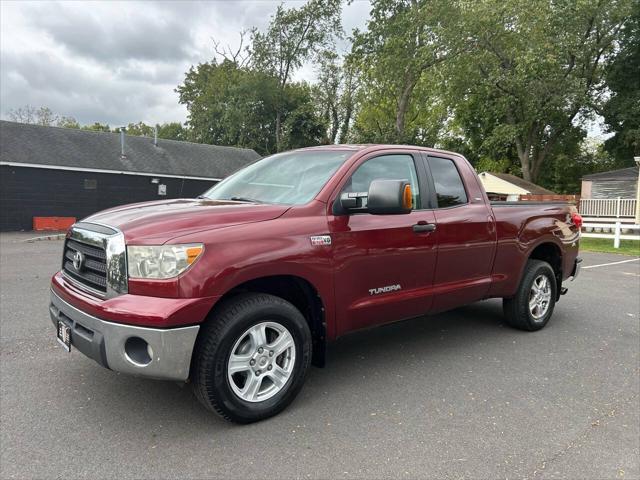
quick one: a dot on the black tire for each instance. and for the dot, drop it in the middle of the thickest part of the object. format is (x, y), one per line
(516, 310)
(218, 336)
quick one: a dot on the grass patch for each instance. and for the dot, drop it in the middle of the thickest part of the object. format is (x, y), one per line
(605, 245)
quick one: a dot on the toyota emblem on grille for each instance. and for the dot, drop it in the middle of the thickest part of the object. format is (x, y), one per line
(78, 261)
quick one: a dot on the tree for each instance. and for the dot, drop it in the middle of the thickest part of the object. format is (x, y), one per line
(294, 36)
(404, 42)
(67, 122)
(41, 116)
(534, 68)
(302, 126)
(622, 110)
(229, 105)
(139, 129)
(348, 101)
(334, 94)
(26, 114)
(97, 127)
(46, 117)
(172, 131)
(327, 92)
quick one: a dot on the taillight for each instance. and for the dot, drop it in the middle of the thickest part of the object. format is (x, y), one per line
(576, 218)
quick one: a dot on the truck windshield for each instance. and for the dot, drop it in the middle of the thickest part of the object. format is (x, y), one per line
(291, 178)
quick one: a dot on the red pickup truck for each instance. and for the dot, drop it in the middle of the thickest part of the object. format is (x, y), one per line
(239, 290)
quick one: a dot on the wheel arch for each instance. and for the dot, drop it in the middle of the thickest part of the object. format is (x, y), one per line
(299, 292)
(550, 252)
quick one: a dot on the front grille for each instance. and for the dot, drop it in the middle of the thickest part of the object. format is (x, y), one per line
(93, 271)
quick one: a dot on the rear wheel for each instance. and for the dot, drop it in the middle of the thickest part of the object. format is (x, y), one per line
(532, 306)
(251, 358)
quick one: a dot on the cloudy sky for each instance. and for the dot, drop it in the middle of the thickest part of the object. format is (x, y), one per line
(119, 62)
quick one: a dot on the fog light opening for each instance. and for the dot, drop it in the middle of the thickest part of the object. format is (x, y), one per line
(138, 351)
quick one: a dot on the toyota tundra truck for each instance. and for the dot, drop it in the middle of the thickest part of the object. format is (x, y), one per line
(237, 292)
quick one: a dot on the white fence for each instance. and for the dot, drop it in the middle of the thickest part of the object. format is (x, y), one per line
(605, 207)
(616, 231)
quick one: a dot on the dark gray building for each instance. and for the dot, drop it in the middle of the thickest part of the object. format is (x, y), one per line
(612, 184)
(62, 172)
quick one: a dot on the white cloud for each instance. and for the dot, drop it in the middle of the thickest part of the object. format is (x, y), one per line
(120, 62)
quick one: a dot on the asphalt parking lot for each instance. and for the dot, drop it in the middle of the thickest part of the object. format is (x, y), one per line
(457, 395)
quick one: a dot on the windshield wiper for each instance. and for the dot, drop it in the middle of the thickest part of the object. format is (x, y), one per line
(245, 199)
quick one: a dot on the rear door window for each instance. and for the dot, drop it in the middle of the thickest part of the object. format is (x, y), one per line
(449, 187)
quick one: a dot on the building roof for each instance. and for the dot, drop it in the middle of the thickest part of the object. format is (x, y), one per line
(630, 173)
(54, 147)
(508, 184)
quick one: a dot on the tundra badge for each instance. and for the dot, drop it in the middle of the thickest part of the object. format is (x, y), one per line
(320, 240)
(388, 288)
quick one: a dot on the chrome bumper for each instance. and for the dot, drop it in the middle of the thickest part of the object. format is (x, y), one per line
(122, 348)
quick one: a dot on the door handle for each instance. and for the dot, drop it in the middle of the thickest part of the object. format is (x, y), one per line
(421, 227)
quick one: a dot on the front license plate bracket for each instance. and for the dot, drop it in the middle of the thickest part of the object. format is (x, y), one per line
(64, 335)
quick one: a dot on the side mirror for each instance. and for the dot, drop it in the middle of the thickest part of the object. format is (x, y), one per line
(389, 197)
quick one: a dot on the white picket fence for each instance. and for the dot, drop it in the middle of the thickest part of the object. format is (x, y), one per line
(608, 207)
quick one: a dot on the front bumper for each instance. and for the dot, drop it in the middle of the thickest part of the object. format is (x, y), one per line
(122, 348)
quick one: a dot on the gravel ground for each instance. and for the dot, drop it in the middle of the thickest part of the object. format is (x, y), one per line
(457, 395)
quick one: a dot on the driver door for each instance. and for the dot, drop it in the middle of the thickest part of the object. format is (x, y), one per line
(383, 264)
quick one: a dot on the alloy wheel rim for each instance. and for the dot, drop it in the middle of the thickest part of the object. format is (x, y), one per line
(261, 361)
(540, 297)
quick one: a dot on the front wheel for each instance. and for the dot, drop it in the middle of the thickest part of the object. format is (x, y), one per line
(532, 306)
(251, 358)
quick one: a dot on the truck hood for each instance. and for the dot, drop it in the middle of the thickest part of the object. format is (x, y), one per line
(159, 221)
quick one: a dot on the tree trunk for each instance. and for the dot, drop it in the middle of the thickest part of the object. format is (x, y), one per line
(335, 124)
(403, 105)
(278, 127)
(524, 150)
(526, 167)
(346, 121)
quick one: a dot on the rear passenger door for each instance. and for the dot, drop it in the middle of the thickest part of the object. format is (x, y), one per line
(466, 234)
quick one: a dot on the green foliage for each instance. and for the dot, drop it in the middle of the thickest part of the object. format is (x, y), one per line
(294, 36)
(622, 111)
(229, 105)
(510, 84)
(334, 95)
(531, 69)
(97, 127)
(398, 57)
(172, 131)
(303, 127)
(486, 164)
(139, 129)
(67, 122)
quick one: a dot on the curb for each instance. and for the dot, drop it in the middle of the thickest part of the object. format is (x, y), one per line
(58, 236)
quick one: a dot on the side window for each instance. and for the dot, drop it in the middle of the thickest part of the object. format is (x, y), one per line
(449, 187)
(386, 167)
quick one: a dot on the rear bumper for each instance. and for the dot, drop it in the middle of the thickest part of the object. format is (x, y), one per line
(576, 268)
(122, 348)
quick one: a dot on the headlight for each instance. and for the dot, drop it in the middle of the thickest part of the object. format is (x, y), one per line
(163, 261)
